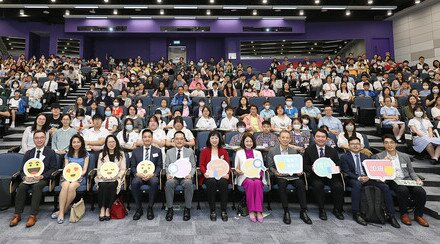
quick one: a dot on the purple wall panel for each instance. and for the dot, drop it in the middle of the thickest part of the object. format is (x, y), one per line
(120, 47)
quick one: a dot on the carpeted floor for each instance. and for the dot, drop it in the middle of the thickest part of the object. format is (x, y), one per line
(201, 230)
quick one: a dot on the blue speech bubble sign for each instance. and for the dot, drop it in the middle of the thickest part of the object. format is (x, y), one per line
(325, 167)
(289, 164)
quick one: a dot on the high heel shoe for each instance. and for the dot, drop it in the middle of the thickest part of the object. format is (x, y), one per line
(252, 218)
(101, 218)
(260, 218)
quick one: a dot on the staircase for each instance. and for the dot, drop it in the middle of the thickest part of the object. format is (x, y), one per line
(431, 173)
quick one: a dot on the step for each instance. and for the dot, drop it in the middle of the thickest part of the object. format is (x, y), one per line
(13, 137)
(432, 208)
(430, 179)
(432, 193)
(6, 145)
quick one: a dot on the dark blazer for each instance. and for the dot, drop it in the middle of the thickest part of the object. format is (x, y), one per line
(137, 156)
(348, 166)
(50, 161)
(108, 101)
(311, 155)
(219, 94)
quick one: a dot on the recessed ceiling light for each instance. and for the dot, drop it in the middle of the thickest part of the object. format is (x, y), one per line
(208, 12)
(264, 1)
(389, 12)
(110, 29)
(45, 12)
(317, 1)
(162, 12)
(106, 1)
(67, 12)
(115, 11)
(254, 12)
(417, 2)
(301, 12)
(347, 12)
(370, 1)
(21, 12)
(50, 0)
(159, 1)
(211, 1)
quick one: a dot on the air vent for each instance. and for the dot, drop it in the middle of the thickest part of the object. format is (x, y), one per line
(266, 29)
(68, 47)
(101, 28)
(185, 28)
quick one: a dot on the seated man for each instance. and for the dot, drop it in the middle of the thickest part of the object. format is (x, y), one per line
(283, 179)
(404, 170)
(351, 164)
(333, 123)
(153, 154)
(173, 154)
(49, 159)
(236, 139)
(266, 139)
(94, 138)
(366, 91)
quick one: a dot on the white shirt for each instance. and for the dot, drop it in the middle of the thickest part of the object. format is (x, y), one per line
(206, 123)
(76, 122)
(282, 123)
(196, 93)
(132, 137)
(396, 165)
(41, 153)
(112, 121)
(14, 103)
(92, 135)
(316, 82)
(229, 124)
(53, 86)
(329, 90)
(418, 124)
(188, 134)
(435, 112)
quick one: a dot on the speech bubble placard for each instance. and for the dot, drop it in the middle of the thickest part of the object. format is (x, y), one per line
(252, 167)
(180, 169)
(289, 164)
(379, 169)
(109, 170)
(325, 167)
(72, 172)
(145, 167)
(217, 168)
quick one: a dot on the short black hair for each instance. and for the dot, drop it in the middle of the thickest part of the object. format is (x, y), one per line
(353, 138)
(246, 135)
(147, 131)
(266, 122)
(39, 131)
(179, 132)
(220, 139)
(97, 116)
(322, 130)
(389, 136)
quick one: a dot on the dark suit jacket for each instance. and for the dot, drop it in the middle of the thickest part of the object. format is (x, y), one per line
(50, 161)
(348, 166)
(219, 94)
(311, 155)
(137, 156)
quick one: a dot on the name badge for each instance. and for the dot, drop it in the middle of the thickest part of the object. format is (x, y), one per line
(404, 165)
(155, 155)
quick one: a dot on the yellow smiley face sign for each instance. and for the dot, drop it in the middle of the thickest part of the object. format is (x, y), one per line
(145, 167)
(33, 167)
(109, 170)
(72, 172)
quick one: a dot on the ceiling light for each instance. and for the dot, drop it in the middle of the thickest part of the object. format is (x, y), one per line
(67, 12)
(317, 1)
(162, 12)
(106, 1)
(417, 2)
(333, 8)
(36, 6)
(136, 7)
(389, 12)
(50, 0)
(115, 11)
(185, 7)
(370, 1)
(264, 1)
(159, 1)
(229, 18)
(21, 12)
(208, 12)
(140, 17)
(382, 8)
(267, 29)
(110, 29)
(301, 12)
(347, 12)
(234, 7)
(286, 7)
(254, 12)
(211, 1)
(96, 17)
(86, 6)
(316, 44)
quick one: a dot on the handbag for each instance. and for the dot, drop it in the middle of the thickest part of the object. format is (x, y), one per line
(77, 211)
(118, 210)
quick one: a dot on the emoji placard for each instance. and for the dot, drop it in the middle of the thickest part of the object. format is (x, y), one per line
(252, 167)
(325, 167)
(217, 168)
(180, 169)
(289, 164)
(109, 170)
(33, 167)
(379, 169)
(145, 167)
(72, 172)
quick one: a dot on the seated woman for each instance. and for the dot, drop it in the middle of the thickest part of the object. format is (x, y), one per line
(435, 111)
(424, 137)
(431, 98)
(128, 136)
(125, 100)
(161, 91)
(117, 110)
(266, 91)
(249, 91)
(386, 92)
(108, 187)
(61, 138)
(391, 118)
(253, 120)
(166, 112)
(345, 98)
(253, 186)
(214, 150)
(350, 131)
(280, 121)
(329, 89)
(408, 110)
(300, 138)
(140, 110)
(243, 108)
(206, 122)
(77, 153)
(159, 135)
(138, 122)
(27, 140)
(35, 95)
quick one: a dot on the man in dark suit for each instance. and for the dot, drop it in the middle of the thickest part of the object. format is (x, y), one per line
(311, 154)
(153, 154)
(351, 165)
(215, 92)
(283, 179)
(49, 159)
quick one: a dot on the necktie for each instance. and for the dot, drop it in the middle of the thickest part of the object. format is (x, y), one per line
(80, 124)
(38, 153)
(48, 89)
(147, 153)
(178, 153)
(106, 123)
(358, 165)
(321, 152)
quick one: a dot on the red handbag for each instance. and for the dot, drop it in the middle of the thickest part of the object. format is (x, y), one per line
(118, 210)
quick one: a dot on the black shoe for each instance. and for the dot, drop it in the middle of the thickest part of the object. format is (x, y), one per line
(186, 214)
(303, 215)
(101, 218)
(224, 216)
(170, 214)
(150, 213)
(213, 216)
(138, 214)
(338, 214)
(393, 221)
(107, 218)
(322, 214)
(286, 218)
(358, 218)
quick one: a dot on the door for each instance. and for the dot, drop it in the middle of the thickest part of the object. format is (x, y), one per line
(176, 52)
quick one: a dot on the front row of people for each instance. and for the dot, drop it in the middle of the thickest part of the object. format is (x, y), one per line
(108, 188)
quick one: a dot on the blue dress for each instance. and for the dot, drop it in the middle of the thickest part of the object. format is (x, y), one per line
(79, 161)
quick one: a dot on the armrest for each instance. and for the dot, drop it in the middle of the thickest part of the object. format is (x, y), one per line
(233, 172)
(15, 180)
(127, 178)
(91, 178)
(343, 180)
(267, 175)
(162, 178)
(15, 149)
(54, 177)
(197, 177)
(305, 180)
